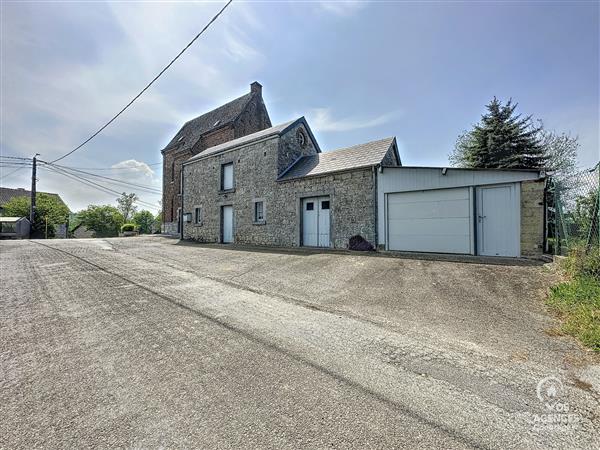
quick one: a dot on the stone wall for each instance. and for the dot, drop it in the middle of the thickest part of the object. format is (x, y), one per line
(532, 218)
(254, 118)
(256, 168)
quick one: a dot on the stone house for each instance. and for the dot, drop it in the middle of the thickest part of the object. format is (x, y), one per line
(240, 117)
(277, 188)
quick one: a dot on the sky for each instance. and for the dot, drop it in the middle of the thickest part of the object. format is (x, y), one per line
(358, 71)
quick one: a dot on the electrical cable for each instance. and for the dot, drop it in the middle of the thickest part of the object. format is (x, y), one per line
(147, 86)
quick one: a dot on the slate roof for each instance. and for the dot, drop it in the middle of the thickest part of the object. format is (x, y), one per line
(195, 128)
(357, 156)
(6, 194)
(273, 131)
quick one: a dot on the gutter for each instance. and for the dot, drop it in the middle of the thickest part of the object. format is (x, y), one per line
(182, 204)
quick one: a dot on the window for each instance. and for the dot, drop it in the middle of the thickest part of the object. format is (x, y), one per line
(301, 137)
(198, 215)
(310, 206)
(226, 176)
(325, 204)
(173, 171)
(259, 211)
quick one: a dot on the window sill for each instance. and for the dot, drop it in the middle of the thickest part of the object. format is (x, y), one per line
(198, 224)
(259, 222)
(227, 191)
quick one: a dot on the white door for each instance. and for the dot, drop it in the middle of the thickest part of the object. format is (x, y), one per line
(324, 222)
(438, 221)
(315, 222)
(498, 228)
(227, 221)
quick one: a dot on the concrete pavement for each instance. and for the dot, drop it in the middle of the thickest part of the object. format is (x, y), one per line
(145, 342)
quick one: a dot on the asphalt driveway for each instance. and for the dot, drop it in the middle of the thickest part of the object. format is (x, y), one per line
(147, 342)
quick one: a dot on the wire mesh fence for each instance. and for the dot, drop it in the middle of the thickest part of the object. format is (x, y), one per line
(573, 212)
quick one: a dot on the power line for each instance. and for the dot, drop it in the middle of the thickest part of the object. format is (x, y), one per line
(112, 168)
(15, 157)
(147, 86)
(79, 168)
(13, 172)
(114, 180)
(93, 184)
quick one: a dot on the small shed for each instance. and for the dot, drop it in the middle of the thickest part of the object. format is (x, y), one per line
(14, 227)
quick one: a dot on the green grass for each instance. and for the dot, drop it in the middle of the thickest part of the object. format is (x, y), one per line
(578, 303)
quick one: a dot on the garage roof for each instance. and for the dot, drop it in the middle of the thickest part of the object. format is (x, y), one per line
(357, 156)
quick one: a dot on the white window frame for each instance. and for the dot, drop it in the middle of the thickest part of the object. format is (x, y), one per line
(198, 215)
(226, 184)
(255, 219)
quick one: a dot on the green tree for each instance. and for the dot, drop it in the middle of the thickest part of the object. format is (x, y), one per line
(103, 220)
(561, 153)
(46, 207)
(158, 222)
(126, 205)
(144, 220)
(502, 139)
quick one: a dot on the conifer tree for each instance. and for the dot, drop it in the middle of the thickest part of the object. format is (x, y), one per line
(502, 139)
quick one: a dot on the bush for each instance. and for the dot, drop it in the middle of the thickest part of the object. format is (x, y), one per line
(127, 227)
(580, 263)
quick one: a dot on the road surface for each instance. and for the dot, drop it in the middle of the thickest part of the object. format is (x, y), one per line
(147, 342)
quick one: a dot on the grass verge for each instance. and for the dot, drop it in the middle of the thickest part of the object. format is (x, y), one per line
(578, 303)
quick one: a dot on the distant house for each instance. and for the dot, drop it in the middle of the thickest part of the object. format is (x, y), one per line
(14, 227)
(7, 194)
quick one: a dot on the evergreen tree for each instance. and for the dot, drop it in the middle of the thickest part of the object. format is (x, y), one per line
(502, 139)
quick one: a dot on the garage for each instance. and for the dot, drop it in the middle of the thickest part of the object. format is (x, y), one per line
(430, 221)
(489, 212)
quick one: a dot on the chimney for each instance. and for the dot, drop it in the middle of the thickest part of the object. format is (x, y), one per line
(256, 88)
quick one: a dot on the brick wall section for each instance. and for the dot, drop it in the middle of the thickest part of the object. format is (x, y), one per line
(254, 118)
(532, 218)
(255, 171)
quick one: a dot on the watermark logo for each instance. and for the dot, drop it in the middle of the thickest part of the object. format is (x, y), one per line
(551, 393)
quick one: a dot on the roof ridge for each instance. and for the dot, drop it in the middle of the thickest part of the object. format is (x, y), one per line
(244, 140)
(390, 138)
(248, 94)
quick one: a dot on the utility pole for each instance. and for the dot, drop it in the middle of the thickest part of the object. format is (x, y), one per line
(33, 193)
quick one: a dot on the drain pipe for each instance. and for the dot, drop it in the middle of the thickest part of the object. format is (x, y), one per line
(181, 222)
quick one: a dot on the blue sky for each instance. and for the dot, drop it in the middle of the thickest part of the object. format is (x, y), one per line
(420, 71)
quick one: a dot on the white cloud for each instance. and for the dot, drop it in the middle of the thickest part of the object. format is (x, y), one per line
(135, 166)
(321, 119)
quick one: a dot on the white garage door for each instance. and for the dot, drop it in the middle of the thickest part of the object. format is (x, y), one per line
(430, 221)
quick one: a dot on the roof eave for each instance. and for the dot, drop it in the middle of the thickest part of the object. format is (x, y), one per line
(324, 174)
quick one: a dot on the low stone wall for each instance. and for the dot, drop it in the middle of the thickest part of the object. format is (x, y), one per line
(532, 218)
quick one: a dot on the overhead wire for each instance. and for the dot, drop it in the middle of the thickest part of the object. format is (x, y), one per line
(147, 86)
(113, 180)
(93, 184)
